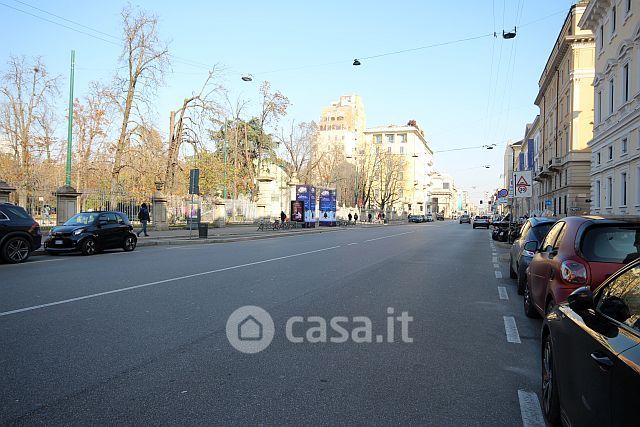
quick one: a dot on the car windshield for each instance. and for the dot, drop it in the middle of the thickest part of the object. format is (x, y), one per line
(84, 218)
(541, 230)
(611, 243)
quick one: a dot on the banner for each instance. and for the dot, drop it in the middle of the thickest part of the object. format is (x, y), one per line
(307, 195)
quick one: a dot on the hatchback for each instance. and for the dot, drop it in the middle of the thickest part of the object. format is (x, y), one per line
(481, 221)
(533, 230)
(591, 354)
(465, 218)
(91, 232)
(19, 233)
(577, 251)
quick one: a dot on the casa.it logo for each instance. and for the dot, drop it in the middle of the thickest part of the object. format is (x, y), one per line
(250, 329)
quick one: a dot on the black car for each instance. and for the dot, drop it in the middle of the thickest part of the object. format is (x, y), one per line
(591, 354)
(19, 233)
(91, 232)
(534, 229)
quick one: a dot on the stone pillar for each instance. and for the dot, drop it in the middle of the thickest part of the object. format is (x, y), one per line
(159, 208)
(292, 191)
(264, 197)
(5, 190)
(219, 213)
(66, 203)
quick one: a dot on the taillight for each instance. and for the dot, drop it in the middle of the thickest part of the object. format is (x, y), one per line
(574, 272)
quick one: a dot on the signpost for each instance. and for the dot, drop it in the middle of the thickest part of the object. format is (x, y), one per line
(194, 188)
(522, 181)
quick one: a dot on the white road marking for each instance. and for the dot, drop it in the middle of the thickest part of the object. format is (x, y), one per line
(386, 237)
(494, 259)
(511, 329)
(530, 409)
(496, 266)
(502, 291)
(354, 243)
(174, 279)
(498, 274)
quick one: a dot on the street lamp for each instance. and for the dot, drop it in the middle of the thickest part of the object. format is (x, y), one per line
(247, 78)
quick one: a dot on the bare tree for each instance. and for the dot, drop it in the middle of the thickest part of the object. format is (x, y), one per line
(27, 92)
(296, 147)
(145, 59)
(386, 183)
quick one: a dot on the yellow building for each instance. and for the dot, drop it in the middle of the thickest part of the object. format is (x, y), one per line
(615, 164)
(341, 126)
(406, 149)
(565, 99)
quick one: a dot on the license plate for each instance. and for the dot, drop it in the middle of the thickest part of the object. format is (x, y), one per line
(57, 242)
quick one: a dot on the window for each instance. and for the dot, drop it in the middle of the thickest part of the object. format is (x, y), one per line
(403, 137)
(610, 152)
(599, 107)
(600, 37)
(609, 191)
(625, 82)
(378, 138)
(598, 158)
(566, 177)
(445, 185)
(620, 299)
(613, 20)
(612, 88)
(388, 149)
(623, 189)
(390, 138)
(628, 8)
(3, 217)
(568, 141)
(623, 145)
(610, 243)
(565, 204)
(401, 149)
(596, 192)
(550, 239)
(560, 178)
(568, 104)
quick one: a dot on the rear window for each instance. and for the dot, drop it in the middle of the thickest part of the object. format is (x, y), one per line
(541, 230)
(619, 244)
(16, 211)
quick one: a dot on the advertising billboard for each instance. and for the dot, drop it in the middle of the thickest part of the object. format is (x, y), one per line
(307, 195)
(327, 207)
(297, 211)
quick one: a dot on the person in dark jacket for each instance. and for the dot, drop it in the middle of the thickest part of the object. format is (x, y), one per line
(143, 216)
(283, 216)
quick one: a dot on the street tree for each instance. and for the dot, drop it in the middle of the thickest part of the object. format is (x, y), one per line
(145, 58)
(295, 146)
(27, 93)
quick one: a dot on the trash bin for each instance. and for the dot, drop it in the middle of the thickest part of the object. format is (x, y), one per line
(203, 230)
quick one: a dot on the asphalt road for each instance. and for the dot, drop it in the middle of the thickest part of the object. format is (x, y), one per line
(139, 338)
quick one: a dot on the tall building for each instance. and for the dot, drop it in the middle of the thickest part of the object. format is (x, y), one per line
(413, 157)
(615, 161)
(342, 125)
(444, 195)
(565, 99)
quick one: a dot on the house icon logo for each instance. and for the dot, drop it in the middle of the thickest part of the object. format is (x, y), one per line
(250, 329)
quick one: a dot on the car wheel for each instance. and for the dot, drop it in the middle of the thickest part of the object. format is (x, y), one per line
(16, 250)
(130, 243)
(550, 399)
(89, 247)
(512, 273)
(529, 309)
(522, 281)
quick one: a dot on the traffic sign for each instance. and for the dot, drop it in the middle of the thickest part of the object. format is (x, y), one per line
(503, 193)
(522, 180)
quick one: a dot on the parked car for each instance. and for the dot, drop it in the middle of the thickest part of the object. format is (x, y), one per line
(429, 218)
(591, 354)
(440, 217)
(465, 218)
(481, 221)
(577, 251)
(416, 218)
(533, 230)
(19, 234)
(91, 232)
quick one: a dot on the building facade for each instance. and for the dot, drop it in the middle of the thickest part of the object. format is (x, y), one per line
(341, 126)
(444, 195)
(565, 99)
(615, 160)
(413, 157)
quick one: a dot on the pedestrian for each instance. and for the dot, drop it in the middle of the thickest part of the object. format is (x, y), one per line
(349, 216)
(283, 216)
(369, 216)
(46, 215)
(355, 217)
(143, 216)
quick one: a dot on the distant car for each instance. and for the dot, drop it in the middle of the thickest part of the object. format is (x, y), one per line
(465, 218)
(440, 217)
(533, 230)
(92, 232)
(591, 354)
(19, 234)
(415, 218)
(481, 221)
(577, 251)
(428, 217)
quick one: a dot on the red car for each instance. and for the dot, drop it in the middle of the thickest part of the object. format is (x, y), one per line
(577, 251)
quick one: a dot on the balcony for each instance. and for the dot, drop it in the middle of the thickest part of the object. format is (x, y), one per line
(554, 163)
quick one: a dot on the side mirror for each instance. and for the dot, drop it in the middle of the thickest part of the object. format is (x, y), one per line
(581, 299)
(531, 246)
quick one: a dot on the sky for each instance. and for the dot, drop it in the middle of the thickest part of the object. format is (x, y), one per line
(464, 87)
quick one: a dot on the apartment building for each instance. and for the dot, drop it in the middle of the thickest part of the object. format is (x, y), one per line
(565, 99)
(615, 160)
(341, 126)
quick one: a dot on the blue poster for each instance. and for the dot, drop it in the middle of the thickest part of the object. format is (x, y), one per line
(325, 207)
(307, 195)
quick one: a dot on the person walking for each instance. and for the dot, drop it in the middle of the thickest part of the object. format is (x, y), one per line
(369, 216)
(283, 216)
(355, 217)
(350, 217)
(143, 216)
